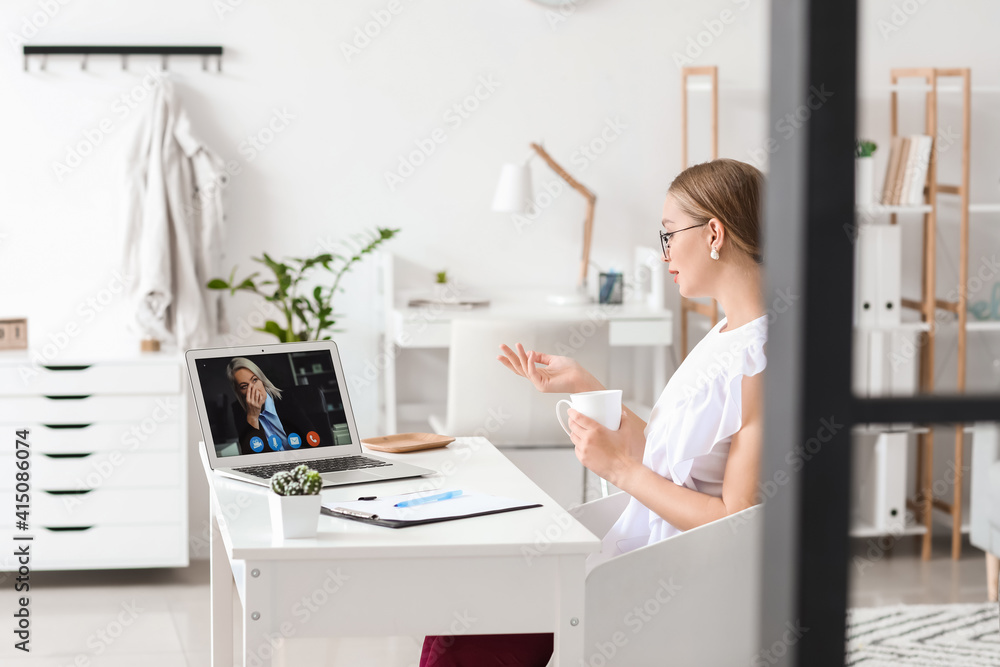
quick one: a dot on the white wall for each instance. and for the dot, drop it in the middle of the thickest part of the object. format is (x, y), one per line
(559, 79)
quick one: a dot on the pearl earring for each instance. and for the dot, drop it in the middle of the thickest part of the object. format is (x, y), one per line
(715, 254)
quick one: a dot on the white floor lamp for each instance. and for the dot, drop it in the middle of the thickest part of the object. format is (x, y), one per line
(514, 195)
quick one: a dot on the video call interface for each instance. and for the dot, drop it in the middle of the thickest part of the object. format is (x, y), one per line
(264, 403)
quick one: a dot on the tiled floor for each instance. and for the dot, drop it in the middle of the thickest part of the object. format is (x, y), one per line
(160, 618)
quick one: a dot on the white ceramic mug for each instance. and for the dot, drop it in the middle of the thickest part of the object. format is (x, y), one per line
(604, 406)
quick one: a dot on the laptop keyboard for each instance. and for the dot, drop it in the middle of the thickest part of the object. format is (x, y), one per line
(321, 465)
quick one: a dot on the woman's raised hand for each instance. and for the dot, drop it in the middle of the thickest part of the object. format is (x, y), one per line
(559, 375)
(255, 402)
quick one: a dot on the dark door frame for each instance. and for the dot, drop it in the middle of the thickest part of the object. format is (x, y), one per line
(808, 251)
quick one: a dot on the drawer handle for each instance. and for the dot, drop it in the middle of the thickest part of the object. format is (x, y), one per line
(74, 455)
(67, 492)
(65, 529)
(58, 426)
(66, 368)
(68, 397)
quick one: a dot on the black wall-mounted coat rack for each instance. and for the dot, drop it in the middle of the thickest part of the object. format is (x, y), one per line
(124, 52)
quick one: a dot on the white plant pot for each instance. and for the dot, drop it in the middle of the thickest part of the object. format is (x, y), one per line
(446, 291)
(295, 516)
(864, 181)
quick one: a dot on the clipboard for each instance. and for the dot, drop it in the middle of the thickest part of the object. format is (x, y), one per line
(380, 511)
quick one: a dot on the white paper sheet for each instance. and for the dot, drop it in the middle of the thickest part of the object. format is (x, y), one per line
(463, 505)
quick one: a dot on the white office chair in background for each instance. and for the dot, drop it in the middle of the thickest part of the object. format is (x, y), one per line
(487, 399)
(984, 510)
(690, 599)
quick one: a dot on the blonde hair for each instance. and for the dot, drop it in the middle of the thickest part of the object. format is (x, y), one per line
(237, 363)
(728, 190)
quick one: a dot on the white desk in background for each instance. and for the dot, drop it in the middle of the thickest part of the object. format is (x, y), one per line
(630, 325)
(516, 572)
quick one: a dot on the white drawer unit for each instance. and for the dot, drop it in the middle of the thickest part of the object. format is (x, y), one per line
(108, 460)
(72, 438)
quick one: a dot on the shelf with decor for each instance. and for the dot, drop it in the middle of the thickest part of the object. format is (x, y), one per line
(915, 189)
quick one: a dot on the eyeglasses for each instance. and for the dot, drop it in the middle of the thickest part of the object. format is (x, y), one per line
(665, 238)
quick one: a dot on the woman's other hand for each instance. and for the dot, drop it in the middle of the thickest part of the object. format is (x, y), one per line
(559, 375)
(255, 403)
(611, 455)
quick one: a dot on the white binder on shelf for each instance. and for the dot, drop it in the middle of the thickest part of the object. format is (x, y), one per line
(860, 363)
(890, 489)
(865, 273)
(887, 264)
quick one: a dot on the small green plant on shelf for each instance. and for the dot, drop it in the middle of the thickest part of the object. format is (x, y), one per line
(306, 316)
(864, 148)
(299, 481)
(441, 277)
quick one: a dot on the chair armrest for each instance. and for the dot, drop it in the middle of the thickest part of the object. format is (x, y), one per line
(599, 515)
(690, 599)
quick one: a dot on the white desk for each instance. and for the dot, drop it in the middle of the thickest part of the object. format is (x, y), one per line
(629, 325)
(518, 572)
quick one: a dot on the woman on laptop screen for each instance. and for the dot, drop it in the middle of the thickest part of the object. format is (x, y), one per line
(267, 423)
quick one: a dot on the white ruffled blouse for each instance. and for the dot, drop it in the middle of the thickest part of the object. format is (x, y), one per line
(691, 427)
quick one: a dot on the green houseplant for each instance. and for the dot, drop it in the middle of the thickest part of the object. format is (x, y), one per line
(864, 148)
(309, 315)
(295, 502)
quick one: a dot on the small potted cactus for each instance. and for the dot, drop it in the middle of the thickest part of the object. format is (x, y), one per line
(295, 502)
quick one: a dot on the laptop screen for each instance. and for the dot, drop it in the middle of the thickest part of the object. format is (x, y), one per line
(264, 403)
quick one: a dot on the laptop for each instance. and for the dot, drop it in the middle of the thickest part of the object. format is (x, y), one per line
(267, 408)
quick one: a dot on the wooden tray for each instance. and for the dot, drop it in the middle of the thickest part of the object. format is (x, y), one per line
(407, 442)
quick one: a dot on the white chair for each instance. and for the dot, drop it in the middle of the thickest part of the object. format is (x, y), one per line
(690, 599)
(984, 510)
(487, 399)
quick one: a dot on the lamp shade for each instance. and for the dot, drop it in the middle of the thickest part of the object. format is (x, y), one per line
(513, 192)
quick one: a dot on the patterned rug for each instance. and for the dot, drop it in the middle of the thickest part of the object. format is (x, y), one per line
(950, 635)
